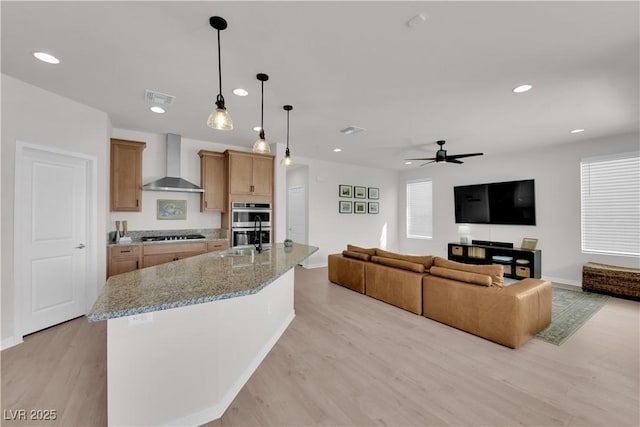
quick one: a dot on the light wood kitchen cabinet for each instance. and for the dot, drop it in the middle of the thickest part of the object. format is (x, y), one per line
(126, 175)
(167, 252)
(250, 175)
(123, 259)
(213, 179)
(217, 245)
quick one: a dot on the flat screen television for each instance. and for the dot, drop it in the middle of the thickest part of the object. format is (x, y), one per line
(511, 203)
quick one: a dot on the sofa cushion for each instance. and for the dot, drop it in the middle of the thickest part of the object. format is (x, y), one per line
(357, 255)
(494, 270)
(426, 260)
(398, 263)
(461, 276)
(353, 248)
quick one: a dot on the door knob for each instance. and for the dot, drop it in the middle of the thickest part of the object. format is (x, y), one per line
(80, 246)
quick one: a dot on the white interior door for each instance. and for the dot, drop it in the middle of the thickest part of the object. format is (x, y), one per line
(297, 207)
(51, 256)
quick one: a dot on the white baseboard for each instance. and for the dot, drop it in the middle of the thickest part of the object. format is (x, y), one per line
(315, 265)
(217, 411)
(563, 281)
(10, 342)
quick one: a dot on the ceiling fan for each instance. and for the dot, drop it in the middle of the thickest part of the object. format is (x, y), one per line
(441, 156)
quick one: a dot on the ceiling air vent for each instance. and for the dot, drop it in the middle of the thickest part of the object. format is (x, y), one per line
(350, 130)
(158, 98)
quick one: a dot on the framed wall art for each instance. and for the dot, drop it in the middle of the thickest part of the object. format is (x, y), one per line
(373, 207)
(529, 243)
(345, 206)
(359, 192)
(374, 193)
(345, 190)
(172, 209)
(360, 207)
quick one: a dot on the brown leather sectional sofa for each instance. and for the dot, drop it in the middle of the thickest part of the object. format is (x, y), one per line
(472, 298)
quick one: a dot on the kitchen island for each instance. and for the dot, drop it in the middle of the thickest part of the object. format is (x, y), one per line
(184, 337)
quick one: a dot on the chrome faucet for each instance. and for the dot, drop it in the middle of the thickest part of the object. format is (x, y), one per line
(257, 227)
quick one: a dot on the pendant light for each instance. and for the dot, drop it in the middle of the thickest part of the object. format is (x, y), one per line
(261, 145)
(219, 118)
(286, 160)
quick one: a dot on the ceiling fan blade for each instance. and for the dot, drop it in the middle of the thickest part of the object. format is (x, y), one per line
(460, 156)
(450, 160)
(424, 158)
(432, 161)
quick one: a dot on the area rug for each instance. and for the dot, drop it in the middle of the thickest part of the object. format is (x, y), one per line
(569, 311)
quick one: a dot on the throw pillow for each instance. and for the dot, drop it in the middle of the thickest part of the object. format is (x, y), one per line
(461, 276)
(398, 263)
(353, 248)
(356, 255)
(426, 260)
(494, 270)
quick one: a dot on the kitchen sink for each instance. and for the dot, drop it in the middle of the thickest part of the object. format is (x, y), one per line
(234, 252)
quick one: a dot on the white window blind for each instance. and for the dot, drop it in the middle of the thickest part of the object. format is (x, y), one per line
(419, 210)
(610, 188)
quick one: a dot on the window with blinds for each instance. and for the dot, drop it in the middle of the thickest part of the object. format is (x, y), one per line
(419, 210)
(610, 189)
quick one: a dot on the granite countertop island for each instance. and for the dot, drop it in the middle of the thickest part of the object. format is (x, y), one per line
(195, 280)
(192, 332)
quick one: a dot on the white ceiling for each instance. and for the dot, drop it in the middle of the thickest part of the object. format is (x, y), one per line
(341, 64)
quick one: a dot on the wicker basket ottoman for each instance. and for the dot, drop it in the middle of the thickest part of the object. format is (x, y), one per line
(612, 280)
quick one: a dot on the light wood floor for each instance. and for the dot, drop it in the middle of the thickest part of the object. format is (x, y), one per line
(348, 359)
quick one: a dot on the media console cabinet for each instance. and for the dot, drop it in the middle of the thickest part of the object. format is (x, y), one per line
(518, 263)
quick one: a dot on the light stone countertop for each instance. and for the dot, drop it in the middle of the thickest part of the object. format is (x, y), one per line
(195, 280)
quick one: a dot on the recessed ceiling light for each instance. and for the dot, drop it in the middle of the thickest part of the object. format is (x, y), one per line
(46, 57)
(522, 88)
(337, 150)
(407, 163)
(577, 130)
(257, 128)
(240, 92)
(157, 109)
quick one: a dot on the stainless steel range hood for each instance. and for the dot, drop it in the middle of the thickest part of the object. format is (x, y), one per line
(173, 182)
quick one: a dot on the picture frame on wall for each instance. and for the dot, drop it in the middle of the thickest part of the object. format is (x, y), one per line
(171, 209)
(359, 192)
(529, 243)
(373, 207)
(360, 207)
(373, 193)
(345, 207)
(345, 191)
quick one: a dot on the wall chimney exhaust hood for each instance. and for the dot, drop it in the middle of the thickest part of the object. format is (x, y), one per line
(173, 182)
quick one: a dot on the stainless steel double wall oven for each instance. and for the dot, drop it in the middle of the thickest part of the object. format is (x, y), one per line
(250, 222)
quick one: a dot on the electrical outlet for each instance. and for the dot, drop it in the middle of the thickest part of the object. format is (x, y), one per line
(139, 319)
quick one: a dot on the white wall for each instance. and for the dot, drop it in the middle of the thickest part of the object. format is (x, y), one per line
(154, 161)
(330, 230)
(556, 171)
(33, 115)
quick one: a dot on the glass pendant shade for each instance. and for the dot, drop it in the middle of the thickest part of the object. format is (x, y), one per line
(286, 160)
(261, 146)
(220, 119)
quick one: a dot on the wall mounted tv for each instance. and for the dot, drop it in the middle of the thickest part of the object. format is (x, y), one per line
(511, 203)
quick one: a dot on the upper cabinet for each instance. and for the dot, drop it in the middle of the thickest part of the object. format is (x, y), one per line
(250, 175)
(213, 179)
(126, 175)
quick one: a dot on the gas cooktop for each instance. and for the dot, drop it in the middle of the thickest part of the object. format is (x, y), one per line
(176, 237)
